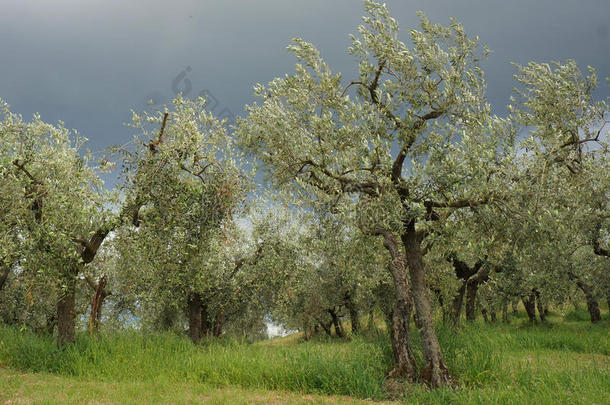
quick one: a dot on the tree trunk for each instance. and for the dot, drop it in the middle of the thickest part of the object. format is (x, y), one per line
(206, 327)
(592, 304)
(505, 318)
(66, 315)
(219, 321)
(326, 327)
(353, 314)
(484, 313)
(530, 306)
(195, 317)
(540, 306)
(472, 288)
(515, 308)
(435, 371)
(471, 301)
(336, 323)
(463, 272)
(98, 314)
(457, 304)
(355, 322)
(404, 362)
(96, 305)
(492, 314)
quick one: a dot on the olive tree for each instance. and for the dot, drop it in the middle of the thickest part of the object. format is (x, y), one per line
(566, 159)
(185, 185)
(66, 218)
(412, 135)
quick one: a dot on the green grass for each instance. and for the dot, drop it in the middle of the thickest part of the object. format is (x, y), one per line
(564, 361)
(19, 388)
(328, 367)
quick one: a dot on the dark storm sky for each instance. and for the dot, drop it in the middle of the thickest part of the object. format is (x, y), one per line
(89, 62)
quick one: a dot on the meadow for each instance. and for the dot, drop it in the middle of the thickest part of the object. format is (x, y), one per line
(566, 360)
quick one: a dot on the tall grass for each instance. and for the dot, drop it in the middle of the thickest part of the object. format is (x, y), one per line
(562, 361)
(356, 368)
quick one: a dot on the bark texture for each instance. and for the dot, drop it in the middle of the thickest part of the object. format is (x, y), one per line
(96, 305)
(529, 303)
(592, 304)
(464, 273)
(66, 315)
(336, 323)
(541, 310)
(472, 287)
(435, 371)
(400, 316)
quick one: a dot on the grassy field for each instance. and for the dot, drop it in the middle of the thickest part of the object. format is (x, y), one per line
(564, 361)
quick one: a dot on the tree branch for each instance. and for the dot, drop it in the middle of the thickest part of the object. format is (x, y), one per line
(463, 203)
(152, 145)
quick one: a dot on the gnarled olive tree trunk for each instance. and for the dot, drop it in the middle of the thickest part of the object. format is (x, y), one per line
(100, 294)
(66, 314)
(472, 288)
(400, 315)
(336, 323)
(529, 303)
(464, 273)
(542, 311)
(592, 304)
(435, 371)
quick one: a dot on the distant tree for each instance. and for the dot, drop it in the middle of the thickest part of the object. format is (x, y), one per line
(566, 200)
(187, 184)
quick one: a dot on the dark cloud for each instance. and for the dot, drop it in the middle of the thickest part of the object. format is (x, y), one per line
(89, 62)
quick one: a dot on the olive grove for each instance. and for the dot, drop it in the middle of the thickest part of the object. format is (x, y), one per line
(396, 194)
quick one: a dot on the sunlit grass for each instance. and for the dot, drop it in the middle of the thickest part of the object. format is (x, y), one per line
(20, 388)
